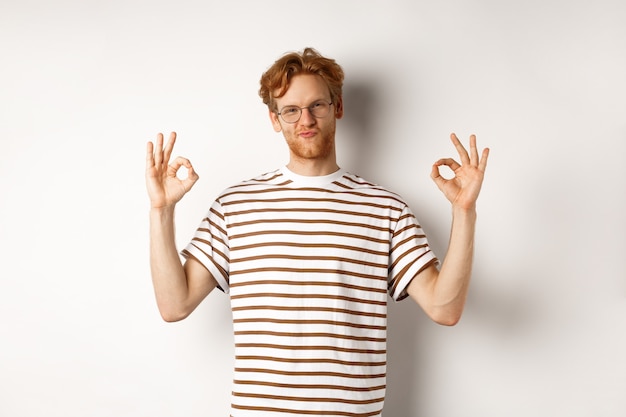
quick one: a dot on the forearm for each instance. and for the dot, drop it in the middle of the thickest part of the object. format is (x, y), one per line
(451, 287)
(442, 293)
(168, 275)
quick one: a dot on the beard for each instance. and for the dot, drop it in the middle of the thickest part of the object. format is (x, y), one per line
(320, 146)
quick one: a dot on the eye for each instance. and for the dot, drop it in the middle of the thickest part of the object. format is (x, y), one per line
(289, 111)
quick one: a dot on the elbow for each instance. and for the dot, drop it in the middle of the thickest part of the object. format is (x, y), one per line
(171, 318)
(446, 317)
(172, 315)
(448, 320)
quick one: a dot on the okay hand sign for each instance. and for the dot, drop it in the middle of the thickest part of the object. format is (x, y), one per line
(164, 187)
(462, 190)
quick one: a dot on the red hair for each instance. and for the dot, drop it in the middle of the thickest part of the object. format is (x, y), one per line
(276, 79)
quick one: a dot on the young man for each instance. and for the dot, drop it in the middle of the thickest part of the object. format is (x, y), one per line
(309, 254)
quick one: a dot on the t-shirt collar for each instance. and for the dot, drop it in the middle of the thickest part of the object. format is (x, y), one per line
(311, 181)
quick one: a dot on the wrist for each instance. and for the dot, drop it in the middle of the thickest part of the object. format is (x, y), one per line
(163, 211)
(464, 211)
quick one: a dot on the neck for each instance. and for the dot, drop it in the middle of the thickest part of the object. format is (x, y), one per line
(312, 168)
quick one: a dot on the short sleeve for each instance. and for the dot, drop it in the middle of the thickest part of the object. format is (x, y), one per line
(409, 254)
(210, 246)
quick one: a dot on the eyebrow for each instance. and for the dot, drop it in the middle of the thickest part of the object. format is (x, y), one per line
(328, 100)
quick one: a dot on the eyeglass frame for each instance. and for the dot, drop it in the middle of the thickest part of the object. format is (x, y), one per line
(280, 113)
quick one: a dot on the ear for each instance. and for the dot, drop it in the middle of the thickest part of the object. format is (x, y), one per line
(339, 108)
(275, 122)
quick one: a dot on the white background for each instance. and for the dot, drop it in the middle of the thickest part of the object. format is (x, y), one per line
(85, 84)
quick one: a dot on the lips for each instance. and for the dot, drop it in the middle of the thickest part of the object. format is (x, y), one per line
(307, 133)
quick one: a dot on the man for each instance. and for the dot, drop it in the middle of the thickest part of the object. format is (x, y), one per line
(308, 254)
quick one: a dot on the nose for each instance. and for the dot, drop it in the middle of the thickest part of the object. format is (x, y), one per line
(307, 118)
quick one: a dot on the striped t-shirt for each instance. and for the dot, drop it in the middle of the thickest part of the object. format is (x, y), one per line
(308, 263)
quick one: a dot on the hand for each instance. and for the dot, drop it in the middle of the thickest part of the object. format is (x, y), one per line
(164, 187)
(462, 190)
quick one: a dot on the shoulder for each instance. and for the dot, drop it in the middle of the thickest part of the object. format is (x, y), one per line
(275, 177)
(268, 180)
(357, 184)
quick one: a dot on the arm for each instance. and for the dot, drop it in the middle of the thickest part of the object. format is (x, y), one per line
(178, 288)
(442, 293)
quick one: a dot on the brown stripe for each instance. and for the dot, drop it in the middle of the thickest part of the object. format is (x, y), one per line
(311, 221)
(276, 175)
(311, 373)
(400, 275)
(309, 360)
(404, 229)
(309, 296)
(273, 189)
(217, 213)
(311, 245)
(260, 180)
(309, 399)
(309, 270)
(408, 239)
(311, 347)
(308, 283)
(310, 386)
(305, 233)
(210, 258)
(317, 413)
(408, 215)
(221, 216)
(318, 309)
(404, 293)
(361, 183)
(311, 258)
(406, 253)
(205, 230)
(311, 200)
(328, 322)
(310, 334)
(308, 210)
(213, 249)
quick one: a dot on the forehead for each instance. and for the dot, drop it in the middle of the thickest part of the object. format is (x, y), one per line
(304, 89)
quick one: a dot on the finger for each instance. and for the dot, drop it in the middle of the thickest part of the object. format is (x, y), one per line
(178, 163)
(169, 147)
(436, 176)
(191, 179)
(192, 176)
(483, 160)
(473, 151)
(449, 162)
(465, 159)
(158, 150)
(149, 155)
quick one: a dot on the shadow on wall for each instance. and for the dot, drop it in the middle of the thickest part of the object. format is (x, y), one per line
(407, 359)
(363, 102)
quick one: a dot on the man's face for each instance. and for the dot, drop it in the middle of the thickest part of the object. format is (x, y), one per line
(309, 138)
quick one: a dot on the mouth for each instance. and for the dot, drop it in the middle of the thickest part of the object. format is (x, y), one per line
(307, 134)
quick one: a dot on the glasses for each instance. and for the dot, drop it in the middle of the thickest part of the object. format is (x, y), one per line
(318, 109)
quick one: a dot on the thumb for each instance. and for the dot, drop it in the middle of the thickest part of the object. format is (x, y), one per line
(191, 179)
(436, 176)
